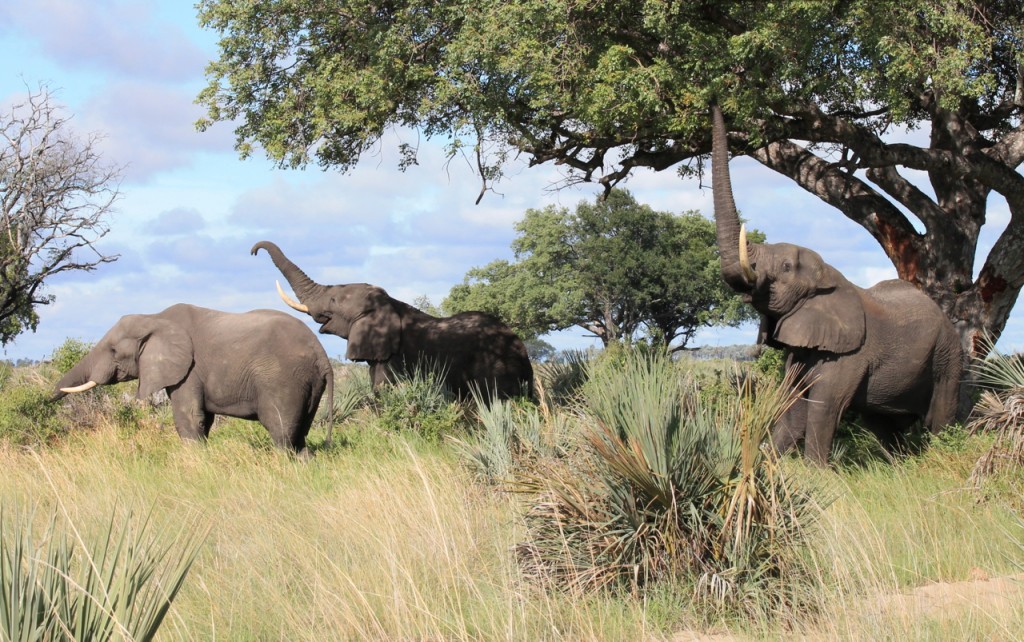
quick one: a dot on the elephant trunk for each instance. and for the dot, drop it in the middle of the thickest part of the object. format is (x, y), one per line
(303, 286)
(77, 379)
(735, 268)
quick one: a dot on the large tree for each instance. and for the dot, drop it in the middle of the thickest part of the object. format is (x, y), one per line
(56, 194)
(615, 267)
(811, 88)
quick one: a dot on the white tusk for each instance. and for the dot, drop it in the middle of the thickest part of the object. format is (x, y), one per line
(748, 271)
(89, 385)
(289, 301)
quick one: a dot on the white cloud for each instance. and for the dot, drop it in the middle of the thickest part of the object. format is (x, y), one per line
(150, 127)
(117, 36)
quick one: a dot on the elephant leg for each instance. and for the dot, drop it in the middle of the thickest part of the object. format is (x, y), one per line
(791, 427)
(286, 422)
(380, 373)
(191, 420)
(827, 400)
(942, 407)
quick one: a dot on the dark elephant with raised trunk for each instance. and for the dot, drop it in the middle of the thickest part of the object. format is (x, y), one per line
(887, 351)
(264, 365)
(472, 350)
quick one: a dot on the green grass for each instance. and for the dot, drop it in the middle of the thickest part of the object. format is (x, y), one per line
(392, 535)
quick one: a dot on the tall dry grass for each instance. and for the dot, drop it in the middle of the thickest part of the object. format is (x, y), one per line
(402, 545)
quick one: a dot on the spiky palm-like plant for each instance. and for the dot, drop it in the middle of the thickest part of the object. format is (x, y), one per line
(672, 488)
(999, 410)
(65, 587)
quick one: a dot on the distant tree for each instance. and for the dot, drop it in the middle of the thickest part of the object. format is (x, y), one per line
(616, 268)
(539, 350)
(424, 304)
(55, 195)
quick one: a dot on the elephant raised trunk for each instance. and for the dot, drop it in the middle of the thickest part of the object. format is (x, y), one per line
(303, 286)
(732, 245)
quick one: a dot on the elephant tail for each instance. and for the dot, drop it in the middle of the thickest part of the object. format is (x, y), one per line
(330, 404)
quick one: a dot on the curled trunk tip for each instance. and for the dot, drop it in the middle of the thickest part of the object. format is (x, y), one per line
(302, 285)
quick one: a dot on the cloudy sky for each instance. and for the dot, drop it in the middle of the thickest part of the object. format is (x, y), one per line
(191, 210)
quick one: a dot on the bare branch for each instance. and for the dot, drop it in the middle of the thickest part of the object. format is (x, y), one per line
(55, 197)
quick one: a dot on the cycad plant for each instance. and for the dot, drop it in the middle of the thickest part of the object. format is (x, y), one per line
(1000, 410)
(673, 487)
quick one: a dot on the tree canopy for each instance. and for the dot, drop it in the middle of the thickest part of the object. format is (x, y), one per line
(55, 196)
(615, 267)
(812, 89)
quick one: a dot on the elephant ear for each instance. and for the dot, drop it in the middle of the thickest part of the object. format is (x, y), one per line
(165, 356)
(832, 321)
(375, 335)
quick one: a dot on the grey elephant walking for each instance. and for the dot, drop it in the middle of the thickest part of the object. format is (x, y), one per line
(264, 365)
(887, 351)
(471, 349)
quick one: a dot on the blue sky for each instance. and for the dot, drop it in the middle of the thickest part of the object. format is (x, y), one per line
(190, 209)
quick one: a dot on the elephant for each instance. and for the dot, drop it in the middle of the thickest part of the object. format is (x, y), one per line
(887, 351)
(472, 350)
(262, 364)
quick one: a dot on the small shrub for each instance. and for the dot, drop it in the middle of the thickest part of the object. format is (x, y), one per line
(558, 381)
(351, 390)
(771, 362)
(68, 354)
(952, 439)
(27, 417)
(419, 403)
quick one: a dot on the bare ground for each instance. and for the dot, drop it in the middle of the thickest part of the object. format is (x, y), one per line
(938, 600)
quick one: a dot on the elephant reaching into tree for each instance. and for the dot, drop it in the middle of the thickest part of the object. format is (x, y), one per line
(472, 349)
(887, 351)
(264, 365)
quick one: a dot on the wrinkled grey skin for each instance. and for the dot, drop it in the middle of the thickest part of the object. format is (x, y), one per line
(887, 351)
(264, 365)
(474, 349)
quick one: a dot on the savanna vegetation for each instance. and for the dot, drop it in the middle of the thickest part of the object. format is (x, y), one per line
(632, 502)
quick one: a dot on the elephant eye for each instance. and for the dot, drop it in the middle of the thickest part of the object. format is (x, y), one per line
(787, 266)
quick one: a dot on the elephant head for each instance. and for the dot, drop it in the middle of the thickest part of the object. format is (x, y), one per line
(153, 350)
(806, 303)
(362, 314)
